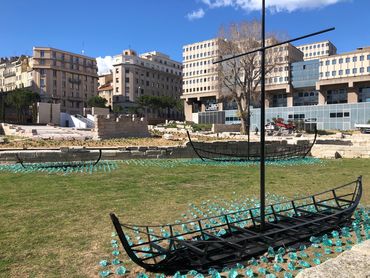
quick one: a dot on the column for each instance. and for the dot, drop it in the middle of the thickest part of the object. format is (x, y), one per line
(352, 95)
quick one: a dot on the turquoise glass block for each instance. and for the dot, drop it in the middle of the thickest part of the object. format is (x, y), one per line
(121, 270)
(317, 254)
(288, 275)
(104, 273)
(271, 252)
(249, 272)
(338, 249)
(264, 259)
(233, 273)
(177, 275)
(199, 275)
(160, 275)
(316, 261)
(291, 265)
(302, 247)
(277, 268)
(116, 261)
(262, 270)
(193, 272)
(215, 274)
(239, 266)
(335, 233)
(211, 270)
(345, 232)
(304, 264)
(303, 254)
(338, 242)
(327, 251)
(115, 253)
(293, 256)
(253, 261)
(281, 251)
(141, 275)
(103, 263)
(225, 269)
(279, 258)
(270, 275)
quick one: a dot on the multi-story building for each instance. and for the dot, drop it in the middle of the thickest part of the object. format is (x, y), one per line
(105, 89)
(331, 92)
(202, 89)
(317, 50)
(58, 76)
(151, 74)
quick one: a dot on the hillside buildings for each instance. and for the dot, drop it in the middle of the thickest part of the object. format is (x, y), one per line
(310, 83)
(150, 74)
(58, 76)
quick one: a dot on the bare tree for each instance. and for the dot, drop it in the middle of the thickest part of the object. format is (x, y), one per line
(240, 78)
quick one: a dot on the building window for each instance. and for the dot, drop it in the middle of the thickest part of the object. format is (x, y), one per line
(354, 70)
(368, 69)
(368, 57)
(42, 53)
(348, 60)
(362, 70)
(340, 72)
(364, 95)
(333, 62)
(327, 62)
(348, 71)
(333, 73)
(354, 59)
(117, 70)
(337, 96)
(340, 60)
(362, 58)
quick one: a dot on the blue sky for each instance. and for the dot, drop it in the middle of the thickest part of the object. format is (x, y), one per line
(105, 28)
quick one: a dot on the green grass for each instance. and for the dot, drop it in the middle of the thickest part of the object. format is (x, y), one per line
(56, 225)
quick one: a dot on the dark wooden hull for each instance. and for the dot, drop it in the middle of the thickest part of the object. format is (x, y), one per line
(212, 151)
(204, 246)
(63, 165)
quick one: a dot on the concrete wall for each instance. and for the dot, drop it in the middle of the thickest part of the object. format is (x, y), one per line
(67, 120)
(48, 113)
(99, 111)
(122, 126)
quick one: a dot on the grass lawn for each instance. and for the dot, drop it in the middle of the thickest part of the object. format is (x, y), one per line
(59, 226)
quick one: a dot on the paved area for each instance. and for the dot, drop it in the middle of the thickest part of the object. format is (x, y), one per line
(48, 132)
(354, 263)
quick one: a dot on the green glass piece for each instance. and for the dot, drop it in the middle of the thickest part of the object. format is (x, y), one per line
(215, 274)
(291, 265)
(335, 233)
(264, 259)
(281, 251)
(327, 251)
(338, 242)
(116, 261)
(249, 272)
(316, 261)
(103, 263)
(233, 273)
(115, 253)
(199, 275)
(253, 261)
(262, 270)
(104, 273)
(277, 267)
(279, 258)
(239, 266)
(304, 264)
(288, 275)
(293, 256)
(317, 254)
(193, 272)
(121, 270)
(303, 254)
(271, 252)
(160, 275)
(141, 275)
(270, 275)
(338, 249)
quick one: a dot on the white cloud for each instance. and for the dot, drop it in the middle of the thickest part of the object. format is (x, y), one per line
(274, 5)
(104, 64)
(195, 14)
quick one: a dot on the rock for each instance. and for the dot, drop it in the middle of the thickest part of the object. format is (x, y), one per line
(353, 263)
(168, 136)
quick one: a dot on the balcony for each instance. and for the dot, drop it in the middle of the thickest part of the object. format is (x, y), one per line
(8, 73)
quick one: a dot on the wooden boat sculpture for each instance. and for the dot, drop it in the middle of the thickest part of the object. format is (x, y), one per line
(223, 240)
(64, 165)
(217, 151)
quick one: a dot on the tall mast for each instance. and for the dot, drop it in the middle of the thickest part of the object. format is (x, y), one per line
(262, 136)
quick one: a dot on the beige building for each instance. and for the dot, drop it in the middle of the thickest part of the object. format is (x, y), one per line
(152, 74)
(345, 77)
(202, 90)
(105, 89)
(58, 76)
(317, 50)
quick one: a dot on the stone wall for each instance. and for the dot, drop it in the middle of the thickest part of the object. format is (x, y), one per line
(123, 126)
(48, 113)
(218, 128)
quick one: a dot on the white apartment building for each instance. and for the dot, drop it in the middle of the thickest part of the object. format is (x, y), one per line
(317, 50)
(152, 73)
(202, 90)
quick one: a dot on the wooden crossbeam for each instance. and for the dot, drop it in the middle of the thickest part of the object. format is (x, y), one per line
(191, 247)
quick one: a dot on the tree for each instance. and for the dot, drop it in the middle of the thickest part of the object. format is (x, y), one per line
(21, 100)
(157, 103)
(239, 78)
(97, 101)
